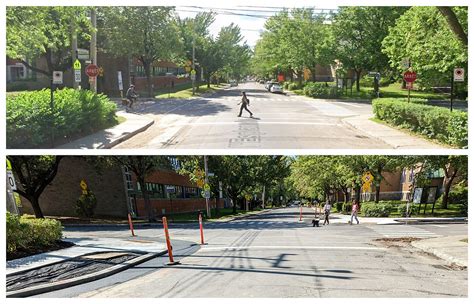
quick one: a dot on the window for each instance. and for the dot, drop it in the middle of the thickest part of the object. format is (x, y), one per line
(175, 163)
(436, 173)
(140, 70)
(128, 179)
(403, 178)
(191, 192)
(412, 176)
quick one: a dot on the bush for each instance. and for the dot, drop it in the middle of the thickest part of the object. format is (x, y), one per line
(30, 120)
(375, 210)
(86, 204)
(293, 86)
(458, 195)
(320, 90)
(26, 233)
(402, 209)
(433, 122)
(339, 206)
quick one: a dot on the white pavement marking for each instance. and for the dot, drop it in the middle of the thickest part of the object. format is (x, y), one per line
(329, 109)
(351, 105)
(210, 248)
(217, 123)
(403, 231)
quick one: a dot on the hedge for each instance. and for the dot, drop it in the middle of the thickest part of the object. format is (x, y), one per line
(375, 210)
(26, 233)
(30, 120)
(434, 122)
(320, 90)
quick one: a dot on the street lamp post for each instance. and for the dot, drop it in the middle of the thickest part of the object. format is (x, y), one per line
(193, 68)
(206, 180)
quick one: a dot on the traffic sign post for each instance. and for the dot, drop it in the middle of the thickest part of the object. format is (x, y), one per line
(409, 78)
(458, 76)
(11, 187)
(92, 71)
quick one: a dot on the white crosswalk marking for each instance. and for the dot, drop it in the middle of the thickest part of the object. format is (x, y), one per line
(396, 231)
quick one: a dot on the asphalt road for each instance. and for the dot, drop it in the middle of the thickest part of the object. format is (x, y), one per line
(280, 122)
(275, 255)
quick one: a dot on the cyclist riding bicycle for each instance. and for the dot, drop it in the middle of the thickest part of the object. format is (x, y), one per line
(131, 95)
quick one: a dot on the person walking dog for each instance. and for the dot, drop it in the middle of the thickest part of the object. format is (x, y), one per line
(355, 210)
(245, 102)
(327, 210)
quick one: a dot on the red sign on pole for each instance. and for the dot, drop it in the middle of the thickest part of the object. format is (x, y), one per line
(409, 76)
(92, 70)
(410, 85)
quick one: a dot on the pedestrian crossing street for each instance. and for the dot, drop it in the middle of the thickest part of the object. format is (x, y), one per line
(398, 231)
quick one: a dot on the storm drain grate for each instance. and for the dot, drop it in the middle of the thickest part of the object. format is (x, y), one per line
(72, 268)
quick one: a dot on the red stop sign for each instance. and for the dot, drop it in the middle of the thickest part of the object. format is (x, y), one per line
(92, 70)
(409, 76)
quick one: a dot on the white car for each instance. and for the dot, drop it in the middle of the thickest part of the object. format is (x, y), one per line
(276, 88)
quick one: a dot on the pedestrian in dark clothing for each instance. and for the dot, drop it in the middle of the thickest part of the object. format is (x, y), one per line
(327, 211)
(244, 103)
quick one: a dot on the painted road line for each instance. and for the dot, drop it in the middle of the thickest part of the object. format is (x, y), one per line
(216, 123)
(350, 104)
(220, 248)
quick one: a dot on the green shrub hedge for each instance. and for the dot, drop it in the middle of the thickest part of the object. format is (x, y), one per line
(26, 233)
(375, 210)
(30, 120)
(320, 90)
(434, 122)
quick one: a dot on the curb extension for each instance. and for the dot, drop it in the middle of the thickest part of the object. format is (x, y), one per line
(125, 137)
(31, 291)
(353, 126)
(446, 257)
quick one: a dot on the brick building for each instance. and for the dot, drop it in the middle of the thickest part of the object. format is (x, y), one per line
(117, 191)
(164, 74)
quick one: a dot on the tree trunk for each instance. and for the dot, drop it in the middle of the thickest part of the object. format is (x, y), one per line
(299, 74)
(453, 23)
(149, 83)
(313, 74)
(146, 199)
(263, 197)
(234, 206)
(357, 198)
(34, 200)
(377, 193)
(217, 204)
(447, 187)
(358, 72)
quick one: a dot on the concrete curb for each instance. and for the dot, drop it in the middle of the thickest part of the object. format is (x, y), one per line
(439, 253)
(125, 136)
(422, 142)
(26, 292)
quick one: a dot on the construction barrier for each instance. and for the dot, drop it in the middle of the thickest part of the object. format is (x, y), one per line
(130, 223)
(168, 242)
(301, 213)
(201, 230)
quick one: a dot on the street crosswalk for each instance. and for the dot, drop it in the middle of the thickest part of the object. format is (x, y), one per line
(396, 231)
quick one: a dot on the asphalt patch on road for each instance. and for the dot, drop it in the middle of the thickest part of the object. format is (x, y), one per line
(72, 268)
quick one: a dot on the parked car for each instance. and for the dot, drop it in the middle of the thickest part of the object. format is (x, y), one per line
(276, 88)
(267, 85)
(262, 81)
(270, 84)
(233, 83)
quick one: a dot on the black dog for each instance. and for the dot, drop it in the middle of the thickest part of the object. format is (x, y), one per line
(316, 223)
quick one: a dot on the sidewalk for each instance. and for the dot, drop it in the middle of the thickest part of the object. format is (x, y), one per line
(451, 248)
(85, 246)
(391, 136)
(110, 137)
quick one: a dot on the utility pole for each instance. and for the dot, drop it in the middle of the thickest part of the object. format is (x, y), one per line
(206, 180)
(75, 85)
(93, 50)
(193, 76)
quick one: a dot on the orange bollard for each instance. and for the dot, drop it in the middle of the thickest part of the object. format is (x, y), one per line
(130, 223)
(168, 242)
(200, 228)
(301, 213)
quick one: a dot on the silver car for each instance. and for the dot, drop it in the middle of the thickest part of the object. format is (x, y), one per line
(276, 88)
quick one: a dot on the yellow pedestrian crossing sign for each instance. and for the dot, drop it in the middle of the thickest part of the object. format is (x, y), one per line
(193, 72)
(207, 187)
(77, 65)
(9, 165)
(367, 177)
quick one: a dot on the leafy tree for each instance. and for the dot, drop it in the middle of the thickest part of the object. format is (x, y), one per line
(34, 32)
(148, 33)
(453, 166)
(423, 30)
(454, 23)
(141, 166)
(379, 164)
(34, 174)
(359, 32)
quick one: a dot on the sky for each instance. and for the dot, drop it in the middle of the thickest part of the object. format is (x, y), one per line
(250, 26)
